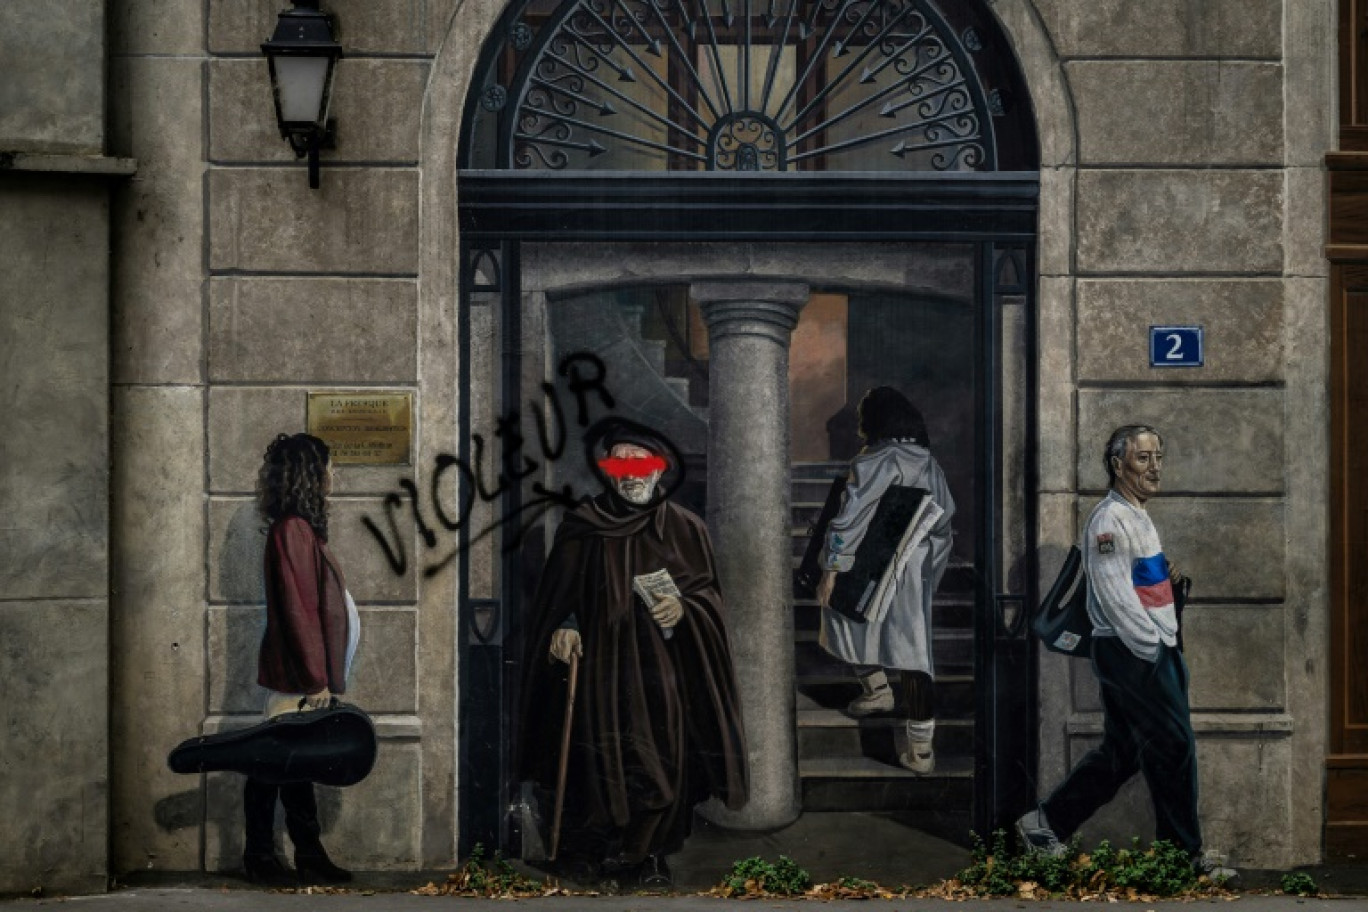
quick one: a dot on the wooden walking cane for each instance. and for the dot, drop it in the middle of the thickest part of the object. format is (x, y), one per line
(564, 757)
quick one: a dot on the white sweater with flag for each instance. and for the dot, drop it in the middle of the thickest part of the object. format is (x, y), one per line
(1129, 593)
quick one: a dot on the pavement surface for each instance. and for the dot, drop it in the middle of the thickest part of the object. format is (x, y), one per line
(885, 848)
(222, 900)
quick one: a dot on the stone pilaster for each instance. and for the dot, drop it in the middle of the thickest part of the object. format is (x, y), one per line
(749, 324)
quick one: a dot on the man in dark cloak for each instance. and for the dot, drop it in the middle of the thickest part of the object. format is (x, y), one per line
(657, 721)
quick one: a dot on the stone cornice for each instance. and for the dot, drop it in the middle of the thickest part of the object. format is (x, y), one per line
(84, 165)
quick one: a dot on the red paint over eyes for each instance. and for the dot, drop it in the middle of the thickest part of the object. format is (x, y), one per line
(638, 467)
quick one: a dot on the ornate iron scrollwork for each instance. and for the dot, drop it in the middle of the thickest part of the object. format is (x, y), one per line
(763, 85)
(494, 98)
(746, 142)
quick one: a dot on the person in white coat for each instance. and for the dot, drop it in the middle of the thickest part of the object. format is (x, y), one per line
(898, 633)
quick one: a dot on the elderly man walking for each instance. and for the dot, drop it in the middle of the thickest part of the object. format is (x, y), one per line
(1143, 677)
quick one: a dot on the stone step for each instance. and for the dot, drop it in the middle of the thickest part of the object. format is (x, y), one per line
(803, 515)
(832, 693)
(958, 578)
(828, 469)
(952, 651)
(831, 734)
(812, 490)
(867, 784)
(948, 613)
(877, 770)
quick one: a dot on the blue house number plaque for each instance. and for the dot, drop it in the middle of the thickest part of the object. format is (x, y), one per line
(1176, 346)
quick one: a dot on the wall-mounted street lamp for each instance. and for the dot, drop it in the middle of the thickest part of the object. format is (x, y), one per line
(303, 57)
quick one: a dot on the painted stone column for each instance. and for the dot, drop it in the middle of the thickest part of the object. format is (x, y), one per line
(749, 324)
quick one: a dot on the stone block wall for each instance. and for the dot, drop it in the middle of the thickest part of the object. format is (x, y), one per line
(52, 97)
(54, 448)
(54, 566)
(1192, 193)
(239, 291)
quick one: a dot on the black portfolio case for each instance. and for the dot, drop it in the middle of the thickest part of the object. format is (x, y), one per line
(854, 589)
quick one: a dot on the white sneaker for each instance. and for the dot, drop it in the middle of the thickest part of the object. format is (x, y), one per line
(1036, 836)
(876, 698)
(1212, 866)
(919, 757)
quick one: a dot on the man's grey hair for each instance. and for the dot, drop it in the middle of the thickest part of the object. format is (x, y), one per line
(1117, 442)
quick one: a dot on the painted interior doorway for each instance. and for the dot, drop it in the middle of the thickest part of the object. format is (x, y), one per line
(946, 323)
(863, 174)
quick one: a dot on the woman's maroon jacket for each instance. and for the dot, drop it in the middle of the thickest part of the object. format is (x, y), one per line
(305, 646)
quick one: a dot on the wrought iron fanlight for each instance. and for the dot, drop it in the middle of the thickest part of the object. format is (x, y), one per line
(741, 85)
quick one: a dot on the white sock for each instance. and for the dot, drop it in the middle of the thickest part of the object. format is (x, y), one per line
(921, 731)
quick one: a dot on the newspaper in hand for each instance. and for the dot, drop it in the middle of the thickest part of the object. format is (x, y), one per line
(653, 587)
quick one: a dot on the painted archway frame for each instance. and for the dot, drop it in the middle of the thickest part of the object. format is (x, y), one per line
(440, 293)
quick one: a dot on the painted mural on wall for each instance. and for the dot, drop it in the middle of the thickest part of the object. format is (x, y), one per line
(656, 726)
(620, 723)
(603, 716)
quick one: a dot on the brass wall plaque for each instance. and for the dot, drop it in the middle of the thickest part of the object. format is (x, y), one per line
(364, 428)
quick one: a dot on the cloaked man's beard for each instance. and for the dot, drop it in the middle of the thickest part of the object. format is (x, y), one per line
(637, 491)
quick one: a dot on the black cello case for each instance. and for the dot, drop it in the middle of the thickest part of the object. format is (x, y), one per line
(333, 746)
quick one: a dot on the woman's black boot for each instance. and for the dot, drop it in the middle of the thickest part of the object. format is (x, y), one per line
(259, 862)
(267, 871)
(312, 864)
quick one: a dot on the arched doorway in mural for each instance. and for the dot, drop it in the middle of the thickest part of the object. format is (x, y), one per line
(642, 184)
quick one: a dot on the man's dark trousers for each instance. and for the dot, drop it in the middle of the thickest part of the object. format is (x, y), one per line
(1147, 728)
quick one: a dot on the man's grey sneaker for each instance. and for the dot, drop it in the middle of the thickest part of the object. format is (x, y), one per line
(1212, 866)
(1036, 836)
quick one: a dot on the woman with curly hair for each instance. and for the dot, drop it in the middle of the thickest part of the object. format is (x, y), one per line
(312, 627)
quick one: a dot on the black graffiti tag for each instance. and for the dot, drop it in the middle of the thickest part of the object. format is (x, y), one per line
(585, 376)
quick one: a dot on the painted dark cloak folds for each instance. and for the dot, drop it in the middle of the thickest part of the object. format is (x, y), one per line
(657, 725)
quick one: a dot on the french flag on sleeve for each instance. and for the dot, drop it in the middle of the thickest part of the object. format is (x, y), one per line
(1149, 576)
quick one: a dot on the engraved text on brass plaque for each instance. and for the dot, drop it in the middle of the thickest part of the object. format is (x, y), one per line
(363, 428)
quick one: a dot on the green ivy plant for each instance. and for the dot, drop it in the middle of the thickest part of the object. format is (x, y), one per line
(492, 878)
(1161, 870)
(755, 875)
(1299, 883)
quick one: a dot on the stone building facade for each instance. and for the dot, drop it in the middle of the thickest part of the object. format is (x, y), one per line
(174, 291)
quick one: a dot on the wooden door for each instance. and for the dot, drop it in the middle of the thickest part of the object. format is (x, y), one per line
(1347, 766)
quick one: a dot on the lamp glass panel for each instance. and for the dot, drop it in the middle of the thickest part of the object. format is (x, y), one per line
(301, 81)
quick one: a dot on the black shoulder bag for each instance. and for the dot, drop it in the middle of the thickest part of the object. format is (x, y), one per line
(1062, 623)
